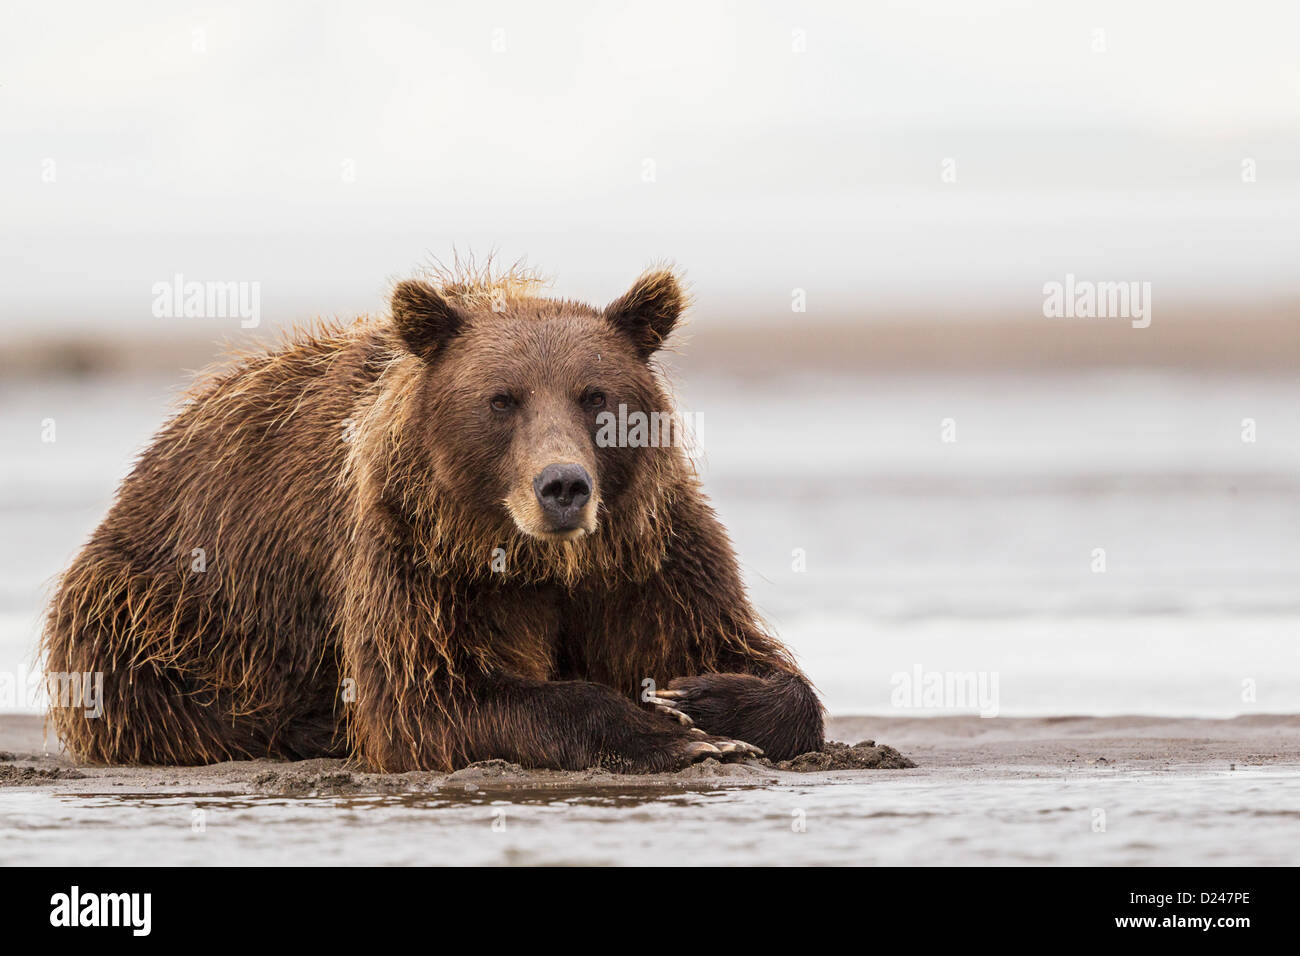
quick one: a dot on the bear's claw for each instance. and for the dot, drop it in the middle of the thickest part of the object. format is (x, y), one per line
(740, 747)
(669, 710)
(721, 748)
(701, 748)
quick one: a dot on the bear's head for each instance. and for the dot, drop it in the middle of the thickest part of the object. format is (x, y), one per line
(524, 404)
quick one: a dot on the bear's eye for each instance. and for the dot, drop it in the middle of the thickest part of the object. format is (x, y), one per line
(502, 402)
(594, 399)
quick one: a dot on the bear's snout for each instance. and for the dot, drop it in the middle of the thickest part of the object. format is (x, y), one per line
(562, 491)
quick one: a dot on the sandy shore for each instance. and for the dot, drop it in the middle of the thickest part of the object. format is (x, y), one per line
(941, 747)
(1188, 336)
(1118, 791)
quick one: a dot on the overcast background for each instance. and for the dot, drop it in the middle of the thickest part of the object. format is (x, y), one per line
(325, 149)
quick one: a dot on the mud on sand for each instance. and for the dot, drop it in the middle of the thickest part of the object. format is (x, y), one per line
(943, 746)
(30, 758)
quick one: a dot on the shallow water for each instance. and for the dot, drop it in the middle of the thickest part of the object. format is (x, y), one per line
(974, 555)
(1240, 817)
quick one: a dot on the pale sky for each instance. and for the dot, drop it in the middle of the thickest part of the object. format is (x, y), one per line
(324, 150)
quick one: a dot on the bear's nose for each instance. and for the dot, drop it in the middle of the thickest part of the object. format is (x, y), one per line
(562, 490)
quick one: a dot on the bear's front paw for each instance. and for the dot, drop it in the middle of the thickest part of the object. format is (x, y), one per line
(713, 701)
(668, 751)
(779, 714)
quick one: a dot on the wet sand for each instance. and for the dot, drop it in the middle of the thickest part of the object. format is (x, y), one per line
(1116, 791)
(956, 748)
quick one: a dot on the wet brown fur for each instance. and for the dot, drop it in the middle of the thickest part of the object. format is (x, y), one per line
(345, 489)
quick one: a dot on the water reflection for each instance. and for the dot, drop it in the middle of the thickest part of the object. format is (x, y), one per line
(1249, 816)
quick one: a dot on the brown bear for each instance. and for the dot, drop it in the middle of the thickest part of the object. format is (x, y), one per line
(408, 540)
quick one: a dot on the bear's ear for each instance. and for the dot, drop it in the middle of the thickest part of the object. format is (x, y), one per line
(648, 311)
(424, 319)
